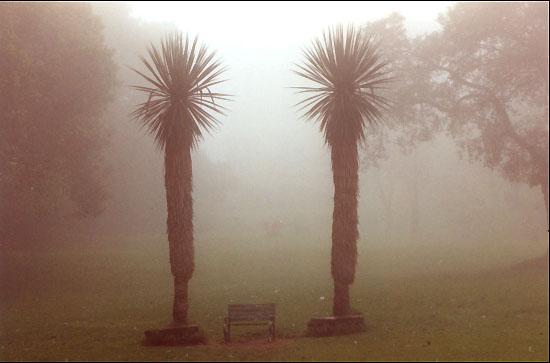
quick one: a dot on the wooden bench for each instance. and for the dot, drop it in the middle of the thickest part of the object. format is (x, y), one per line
(250, 314)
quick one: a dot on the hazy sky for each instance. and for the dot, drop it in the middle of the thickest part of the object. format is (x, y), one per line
(269, 23)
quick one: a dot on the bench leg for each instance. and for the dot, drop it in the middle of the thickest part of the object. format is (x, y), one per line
(271, 332)
(226, 332)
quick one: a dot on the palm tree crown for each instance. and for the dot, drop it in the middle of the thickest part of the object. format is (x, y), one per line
(349, 72)
(180, 104)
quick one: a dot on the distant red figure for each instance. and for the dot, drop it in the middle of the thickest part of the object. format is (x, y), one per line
(273, 229)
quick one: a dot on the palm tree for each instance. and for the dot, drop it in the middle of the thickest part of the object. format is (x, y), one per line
(180, 107)
(349, 75)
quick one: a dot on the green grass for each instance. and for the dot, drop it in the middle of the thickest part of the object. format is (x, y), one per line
(94, 302)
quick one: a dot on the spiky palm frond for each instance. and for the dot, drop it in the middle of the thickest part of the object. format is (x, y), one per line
(349, 72)
(180, 104)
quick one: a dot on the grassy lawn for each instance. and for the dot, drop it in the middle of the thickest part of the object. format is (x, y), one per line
(93, 303)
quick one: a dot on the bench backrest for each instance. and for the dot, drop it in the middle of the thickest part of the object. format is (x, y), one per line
(251, 312)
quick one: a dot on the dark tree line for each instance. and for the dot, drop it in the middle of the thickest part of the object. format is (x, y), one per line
(57, 80)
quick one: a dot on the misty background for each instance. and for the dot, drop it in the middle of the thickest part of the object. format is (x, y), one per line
(263, 182)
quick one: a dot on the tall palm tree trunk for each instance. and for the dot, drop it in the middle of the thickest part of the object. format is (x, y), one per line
(178, 184)
(544, 188)
(344, 224)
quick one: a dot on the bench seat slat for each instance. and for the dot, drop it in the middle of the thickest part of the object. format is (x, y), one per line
(262, 322)
(247, 317)
(251, 312)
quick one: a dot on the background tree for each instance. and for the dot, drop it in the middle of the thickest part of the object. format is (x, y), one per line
(58, 77)
(349, 76)
(179, 108)
(483, 80)
(486, 71)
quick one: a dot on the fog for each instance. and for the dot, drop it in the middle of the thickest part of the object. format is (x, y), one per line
(265, 163)
(443, 190)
